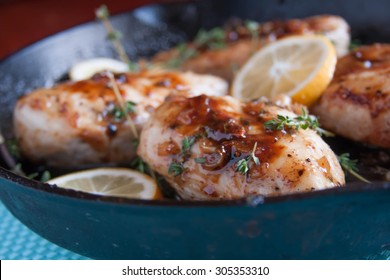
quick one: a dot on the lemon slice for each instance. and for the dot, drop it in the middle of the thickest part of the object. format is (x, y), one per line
(119, 182)
(298, 66)
(87, 68)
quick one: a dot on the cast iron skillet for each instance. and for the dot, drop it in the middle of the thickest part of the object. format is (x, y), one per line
(343, 223)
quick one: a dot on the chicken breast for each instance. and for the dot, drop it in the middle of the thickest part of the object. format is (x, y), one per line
(223, 56)
(212, 148)
(81, 123)
(356, 104)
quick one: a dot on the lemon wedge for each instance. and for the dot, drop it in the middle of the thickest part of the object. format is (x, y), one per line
(298, 66)
(86, 69)
(119, 182)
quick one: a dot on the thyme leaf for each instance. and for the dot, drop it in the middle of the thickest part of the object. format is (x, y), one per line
(187, 143)
(13, 147)
(200, 160)
(211, 39)
(253, 28)
(102, 12)
(175, 169)
(243, 164)
(354, 44)
(46, 176)
(114, 36)
(140, 165)
(350, 165)
(303, 121)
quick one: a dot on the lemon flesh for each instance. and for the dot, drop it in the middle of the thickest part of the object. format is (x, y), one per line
(298, 66)
(118, 182)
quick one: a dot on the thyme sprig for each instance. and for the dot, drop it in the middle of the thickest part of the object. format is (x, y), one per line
(350, 165)
(211, 39)
(18, 169)
(118, 113)
(303, 121)
(124, 106)
(243, 164)
(175, 169)
(140, 165)
(187, 143)
(114, 36)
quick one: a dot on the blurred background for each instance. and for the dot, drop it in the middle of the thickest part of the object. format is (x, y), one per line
(23, 22)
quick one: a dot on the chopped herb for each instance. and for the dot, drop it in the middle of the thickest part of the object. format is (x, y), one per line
(122, 104)
(140, 165)
(253, 28)
(32, 175)
(114, 35)
(130, 107)
(119, 114)
(187, 143)
(46, 176)
(133, 66)
(350, 166)
(175, 169)
(13, 147)
(212, 39)
(354, 44)
(102, 12)
(18, 169)
(303, 121)
(200, 160)
(135, 143)
(243, 164)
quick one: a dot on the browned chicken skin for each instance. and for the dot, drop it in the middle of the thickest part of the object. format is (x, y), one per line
(356, 104)
(240, 44)
(220, 132)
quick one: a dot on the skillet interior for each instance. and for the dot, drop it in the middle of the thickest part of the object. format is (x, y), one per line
(148, 30)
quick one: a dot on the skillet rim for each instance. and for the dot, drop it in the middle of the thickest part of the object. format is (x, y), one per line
(253, 201)
(23, 182)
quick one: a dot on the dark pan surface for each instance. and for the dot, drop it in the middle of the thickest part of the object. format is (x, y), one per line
(342, 223)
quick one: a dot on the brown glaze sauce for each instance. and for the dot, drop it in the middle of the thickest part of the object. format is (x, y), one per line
(223, 135)
(98, 87)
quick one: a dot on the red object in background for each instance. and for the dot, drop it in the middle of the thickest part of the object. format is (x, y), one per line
(23, 22)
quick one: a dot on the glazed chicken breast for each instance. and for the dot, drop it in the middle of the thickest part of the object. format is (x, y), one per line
(222, 52)
(79, 123)
(356, 104)
(218, 148)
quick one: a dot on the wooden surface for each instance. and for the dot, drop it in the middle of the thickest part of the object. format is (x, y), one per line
(23, 22)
